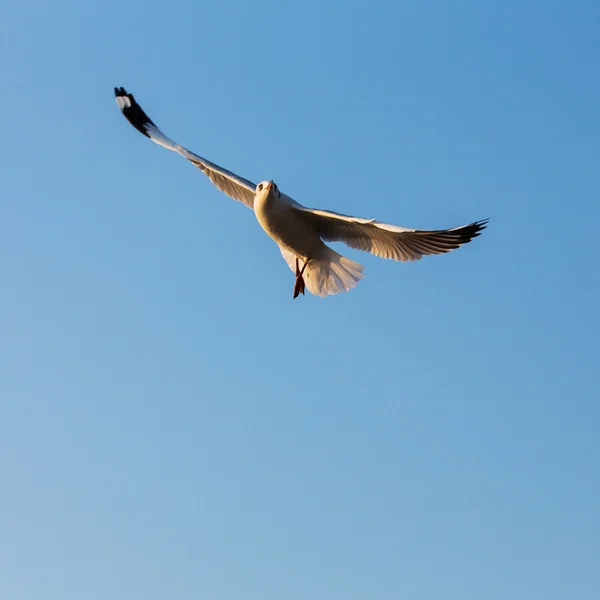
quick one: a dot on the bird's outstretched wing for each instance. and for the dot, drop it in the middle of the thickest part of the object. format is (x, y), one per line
(233, 185)
(384, 240)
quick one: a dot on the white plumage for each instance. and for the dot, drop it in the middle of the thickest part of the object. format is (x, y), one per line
(300, 232)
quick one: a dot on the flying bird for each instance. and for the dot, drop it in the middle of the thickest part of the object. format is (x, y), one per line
(301, 232)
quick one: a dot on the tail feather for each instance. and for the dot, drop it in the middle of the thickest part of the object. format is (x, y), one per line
(331, 274)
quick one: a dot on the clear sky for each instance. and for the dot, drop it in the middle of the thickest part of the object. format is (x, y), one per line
(174, 425)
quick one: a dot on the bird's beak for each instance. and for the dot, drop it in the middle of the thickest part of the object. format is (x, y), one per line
(269, 186)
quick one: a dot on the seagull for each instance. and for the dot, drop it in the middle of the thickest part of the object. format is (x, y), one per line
(301, 232)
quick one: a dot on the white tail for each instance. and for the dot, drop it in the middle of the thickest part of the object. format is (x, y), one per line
(331, 274)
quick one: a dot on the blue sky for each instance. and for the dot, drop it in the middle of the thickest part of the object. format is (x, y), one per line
(173, 425)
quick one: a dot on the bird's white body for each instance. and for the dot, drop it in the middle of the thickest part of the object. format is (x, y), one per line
(300, 232)
(281, 222)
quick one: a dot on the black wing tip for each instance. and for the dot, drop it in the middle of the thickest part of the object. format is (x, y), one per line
(121, 92)
(477, 227)
(132, 111)
(463, 235)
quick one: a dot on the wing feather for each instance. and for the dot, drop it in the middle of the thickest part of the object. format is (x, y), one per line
(386, 240)
(233, 185)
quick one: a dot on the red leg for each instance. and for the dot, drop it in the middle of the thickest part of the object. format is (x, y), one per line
(299, 285)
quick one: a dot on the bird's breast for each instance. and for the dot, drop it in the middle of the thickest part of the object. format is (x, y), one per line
(282, 223)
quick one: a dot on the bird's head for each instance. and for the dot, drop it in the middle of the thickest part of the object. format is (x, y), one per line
(268, 189)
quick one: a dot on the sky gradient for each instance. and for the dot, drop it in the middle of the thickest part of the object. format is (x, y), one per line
(174, 425)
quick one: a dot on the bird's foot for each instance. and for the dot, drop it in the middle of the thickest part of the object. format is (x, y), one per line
(299, 286)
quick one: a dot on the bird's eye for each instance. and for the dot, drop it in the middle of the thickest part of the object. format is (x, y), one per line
(259, 187)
